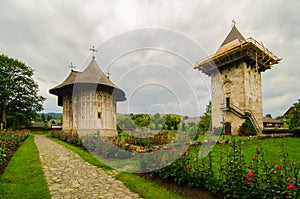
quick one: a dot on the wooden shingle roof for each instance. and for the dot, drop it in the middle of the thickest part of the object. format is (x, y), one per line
(92, 75)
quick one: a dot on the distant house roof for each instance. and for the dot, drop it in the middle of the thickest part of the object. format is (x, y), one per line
(271, 120)
(289, 111)
(37, 125)
(192, 119)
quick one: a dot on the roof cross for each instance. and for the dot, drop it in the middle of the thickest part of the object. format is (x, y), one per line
(72, 66)
(108, 73)
(233, 22)
(93, 50)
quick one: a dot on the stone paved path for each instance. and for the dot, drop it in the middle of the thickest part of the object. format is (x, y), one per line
(69, 176)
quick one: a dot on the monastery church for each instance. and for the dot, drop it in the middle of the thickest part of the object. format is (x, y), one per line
(89, 98)
(235, 71)
(89, 101)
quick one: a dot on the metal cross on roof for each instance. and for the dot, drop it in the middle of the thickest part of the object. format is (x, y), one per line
(93, 50)
(108, 73)
(233, 22)
(72, 66)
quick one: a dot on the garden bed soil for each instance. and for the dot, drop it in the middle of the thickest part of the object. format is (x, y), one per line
(185, 191)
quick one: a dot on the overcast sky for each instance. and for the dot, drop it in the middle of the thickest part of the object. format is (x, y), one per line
(156, 67)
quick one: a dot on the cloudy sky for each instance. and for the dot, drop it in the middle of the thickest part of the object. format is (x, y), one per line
(150, 46)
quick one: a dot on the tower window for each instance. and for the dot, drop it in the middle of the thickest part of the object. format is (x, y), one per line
(227, 102)
(99, 115)
(225, 76)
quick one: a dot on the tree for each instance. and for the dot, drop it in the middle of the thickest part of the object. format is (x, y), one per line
(269, 115)
(205, 119)
(19, 99)
(295, 116)
(43, 117)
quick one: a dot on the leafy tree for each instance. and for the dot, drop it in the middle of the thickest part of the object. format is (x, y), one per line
(205, 119)
(295, 116)
(247, 128)
(269, 115)
(19, 99)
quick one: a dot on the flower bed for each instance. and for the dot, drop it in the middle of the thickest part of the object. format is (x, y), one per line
(9, 141)
(226, 171)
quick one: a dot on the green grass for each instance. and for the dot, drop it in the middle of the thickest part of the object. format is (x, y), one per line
(24, 177)
(271, 146)
(144, 188)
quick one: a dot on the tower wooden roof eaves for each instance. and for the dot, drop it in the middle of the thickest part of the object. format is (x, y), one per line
(236, 50)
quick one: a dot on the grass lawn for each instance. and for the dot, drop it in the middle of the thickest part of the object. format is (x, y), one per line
(271, 146)
(24, 177)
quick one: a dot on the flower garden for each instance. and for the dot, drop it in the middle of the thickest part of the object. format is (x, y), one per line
(237, 167)
(9, 142)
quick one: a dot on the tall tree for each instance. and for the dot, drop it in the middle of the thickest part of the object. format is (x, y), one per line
(295, 116)
(205, 119)
(19, 99)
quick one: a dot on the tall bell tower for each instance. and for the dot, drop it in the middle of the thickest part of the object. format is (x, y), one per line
(235, 71)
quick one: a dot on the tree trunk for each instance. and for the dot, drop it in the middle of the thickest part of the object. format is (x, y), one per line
(4, 114)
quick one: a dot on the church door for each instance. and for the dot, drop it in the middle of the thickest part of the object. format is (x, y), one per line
(227, 129)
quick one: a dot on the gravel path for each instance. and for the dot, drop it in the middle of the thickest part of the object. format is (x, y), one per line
(69, 176)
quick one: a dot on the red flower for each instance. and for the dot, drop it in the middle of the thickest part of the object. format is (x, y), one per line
(189, 167)
(248, 179)
(266, 163)
(253, 158)
(188, 149)
(12, 143)
(278, 167)
(291, 186)
(250, 174)
(256, 149)
(290, 181)
(167, 159)
(286, 197)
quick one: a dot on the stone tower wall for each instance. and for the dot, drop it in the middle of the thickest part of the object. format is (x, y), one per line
(240, 86)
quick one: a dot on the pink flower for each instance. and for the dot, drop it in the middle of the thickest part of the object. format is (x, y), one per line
(250, 174)
(290, 181)
(291, 186)
(167, 159)
(248, 179)
(278, 167)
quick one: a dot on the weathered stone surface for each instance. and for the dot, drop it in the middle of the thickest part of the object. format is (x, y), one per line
(69, 176)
